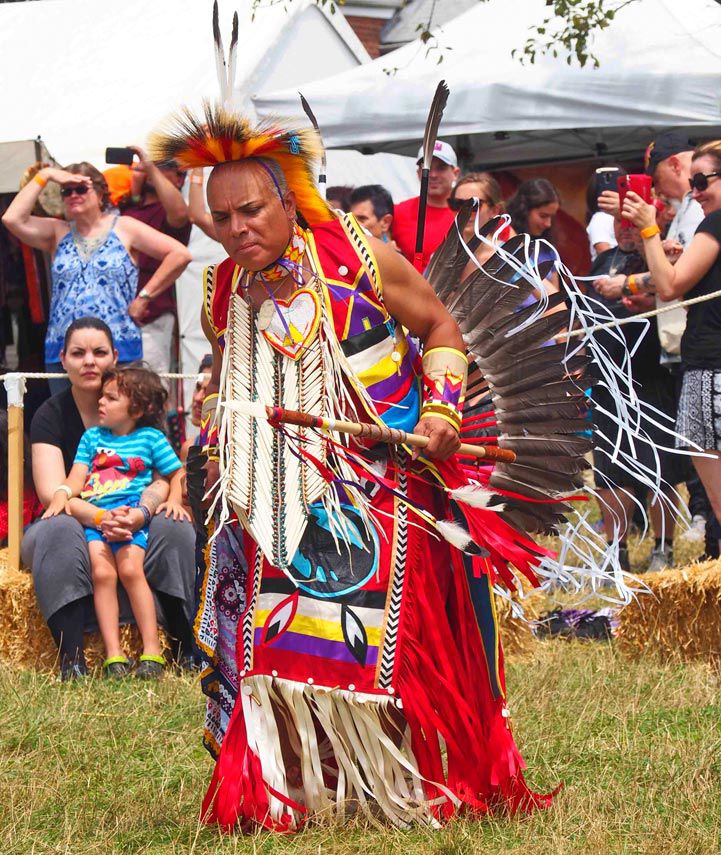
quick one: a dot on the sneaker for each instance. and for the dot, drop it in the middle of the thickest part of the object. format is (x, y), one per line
(696, 532)
(117, 667)
(150, 668)
(74, 670)
(661, 559)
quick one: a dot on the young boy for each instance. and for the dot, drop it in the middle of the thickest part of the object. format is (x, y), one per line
(114, 463)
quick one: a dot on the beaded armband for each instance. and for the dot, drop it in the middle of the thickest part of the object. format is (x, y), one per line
(445, 371)
(209, 427)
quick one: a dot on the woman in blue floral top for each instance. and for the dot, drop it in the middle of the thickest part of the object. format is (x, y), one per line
(94, 252)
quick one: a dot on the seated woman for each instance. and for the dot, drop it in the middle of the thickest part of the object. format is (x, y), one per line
(56, 549)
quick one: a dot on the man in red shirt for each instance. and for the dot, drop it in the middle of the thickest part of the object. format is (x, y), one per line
(443, 175)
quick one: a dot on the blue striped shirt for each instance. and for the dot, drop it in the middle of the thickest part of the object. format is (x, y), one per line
(121, 467)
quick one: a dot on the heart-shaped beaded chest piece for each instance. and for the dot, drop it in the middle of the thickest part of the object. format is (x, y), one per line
(290, 325)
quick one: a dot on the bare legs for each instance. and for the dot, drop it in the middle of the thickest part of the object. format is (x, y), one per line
(126, 565)
(709, 471)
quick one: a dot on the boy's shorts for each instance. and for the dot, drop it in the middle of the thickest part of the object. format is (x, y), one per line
(139, 538)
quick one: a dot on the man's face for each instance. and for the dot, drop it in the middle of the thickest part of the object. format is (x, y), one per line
(440, 180)
(670, 178)
(627, 237)
(251, 222)
(365, 213)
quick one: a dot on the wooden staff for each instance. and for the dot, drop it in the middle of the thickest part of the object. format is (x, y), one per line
(377, 433)
(15, 388)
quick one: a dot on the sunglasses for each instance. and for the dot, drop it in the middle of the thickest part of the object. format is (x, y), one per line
(80, 189)
(457, 204)
(700, 180)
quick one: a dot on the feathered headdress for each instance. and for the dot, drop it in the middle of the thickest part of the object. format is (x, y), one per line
(222, 136)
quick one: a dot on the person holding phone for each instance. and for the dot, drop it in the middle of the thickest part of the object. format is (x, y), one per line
(94, 252)
(600, 231)
(696, 273)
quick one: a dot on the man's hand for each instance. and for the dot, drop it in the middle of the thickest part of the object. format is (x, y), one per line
(608, 202)
(673, 250)
(443, 439)
(610, 287)
(639, 303)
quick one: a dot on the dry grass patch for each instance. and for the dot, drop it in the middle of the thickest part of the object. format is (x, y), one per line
(118, 768)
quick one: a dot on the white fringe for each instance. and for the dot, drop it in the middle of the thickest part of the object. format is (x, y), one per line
(375, 772)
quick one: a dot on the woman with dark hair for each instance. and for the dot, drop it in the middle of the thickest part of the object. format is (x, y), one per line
(94, 259)
(534, 207)
(56, 549)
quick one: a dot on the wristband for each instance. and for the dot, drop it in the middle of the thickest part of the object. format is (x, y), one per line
(147, 516)
(650, 231)
(99, 514)
(64, 489)
(631, 288)
(40, 179)
(445, 371)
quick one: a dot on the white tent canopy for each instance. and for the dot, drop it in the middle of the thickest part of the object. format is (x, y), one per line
(87, 74)
(659, 68)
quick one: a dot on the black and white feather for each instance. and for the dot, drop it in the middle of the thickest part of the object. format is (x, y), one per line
(225, 70)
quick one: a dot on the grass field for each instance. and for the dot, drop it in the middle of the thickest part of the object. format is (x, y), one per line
(118, 768)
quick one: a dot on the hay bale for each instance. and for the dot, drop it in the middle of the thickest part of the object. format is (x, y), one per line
(516, 633)
(679, 618)
(25, 640)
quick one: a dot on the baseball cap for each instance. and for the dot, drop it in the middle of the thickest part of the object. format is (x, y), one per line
(443, 151)
(666, 145)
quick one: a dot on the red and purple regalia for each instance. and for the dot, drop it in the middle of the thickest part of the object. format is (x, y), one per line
(346, 607)
(366, 664)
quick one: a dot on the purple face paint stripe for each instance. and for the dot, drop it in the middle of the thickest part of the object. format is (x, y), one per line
(296, 642)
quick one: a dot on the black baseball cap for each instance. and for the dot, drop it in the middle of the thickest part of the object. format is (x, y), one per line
(666, 145)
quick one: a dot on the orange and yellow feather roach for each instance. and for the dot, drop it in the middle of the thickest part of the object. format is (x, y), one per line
(222, 136)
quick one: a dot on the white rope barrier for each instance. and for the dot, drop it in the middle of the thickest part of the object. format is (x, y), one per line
(40, 375)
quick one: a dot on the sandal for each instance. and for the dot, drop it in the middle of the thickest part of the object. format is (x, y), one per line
(117, 667)
(151, 667)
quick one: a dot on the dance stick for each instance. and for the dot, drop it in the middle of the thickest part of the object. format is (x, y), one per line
(378, 433)
(429, 140)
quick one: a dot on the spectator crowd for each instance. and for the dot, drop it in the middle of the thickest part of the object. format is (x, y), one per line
(115, 257)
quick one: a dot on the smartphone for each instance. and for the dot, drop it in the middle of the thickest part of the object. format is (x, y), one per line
(606, 178)
(120, 154)
(640, 184)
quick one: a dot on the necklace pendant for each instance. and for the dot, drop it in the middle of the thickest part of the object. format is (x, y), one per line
(266, 312)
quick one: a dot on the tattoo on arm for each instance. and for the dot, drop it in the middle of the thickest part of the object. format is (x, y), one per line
(646, 283)
(154, 495)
